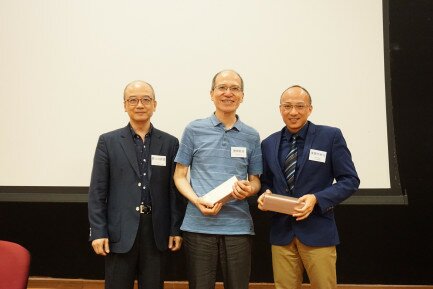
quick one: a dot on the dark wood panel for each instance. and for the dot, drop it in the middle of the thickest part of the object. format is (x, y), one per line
(54, 283)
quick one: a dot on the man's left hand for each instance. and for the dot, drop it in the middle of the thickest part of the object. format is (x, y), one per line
(242, 189)
(302, 213)
(174, 243)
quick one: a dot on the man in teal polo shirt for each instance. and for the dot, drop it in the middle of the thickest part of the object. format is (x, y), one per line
(215, 149)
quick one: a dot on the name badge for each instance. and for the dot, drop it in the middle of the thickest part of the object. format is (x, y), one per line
(317, 156)
(157, 160)
(238, 152)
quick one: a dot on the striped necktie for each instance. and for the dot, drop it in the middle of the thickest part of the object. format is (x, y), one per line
(290, 164)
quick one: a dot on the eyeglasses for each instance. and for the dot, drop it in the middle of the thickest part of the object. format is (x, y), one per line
(298, 107)
(135, 101)
(223, 88)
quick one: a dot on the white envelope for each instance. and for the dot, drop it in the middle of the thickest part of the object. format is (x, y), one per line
(222, 193)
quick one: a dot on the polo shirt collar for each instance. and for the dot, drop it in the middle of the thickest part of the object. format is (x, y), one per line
(216, 122)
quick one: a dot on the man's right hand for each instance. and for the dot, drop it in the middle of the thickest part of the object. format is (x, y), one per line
(260, 199)
(101, 246)
(207, 209)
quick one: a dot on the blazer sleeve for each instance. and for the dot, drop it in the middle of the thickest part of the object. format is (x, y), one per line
(98, 191)
(177, 201)
(344, 172)
(266, 177)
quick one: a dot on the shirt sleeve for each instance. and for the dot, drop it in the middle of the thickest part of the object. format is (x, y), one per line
(186, 147)
(255, 166)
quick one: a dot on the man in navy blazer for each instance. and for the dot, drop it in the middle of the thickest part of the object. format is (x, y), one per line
(324, 176)
(135, 211)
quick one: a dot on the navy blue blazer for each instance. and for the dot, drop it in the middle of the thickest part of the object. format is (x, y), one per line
(115, 194)
(312, 177)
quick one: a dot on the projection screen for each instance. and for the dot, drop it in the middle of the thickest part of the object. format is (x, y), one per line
(64, 64)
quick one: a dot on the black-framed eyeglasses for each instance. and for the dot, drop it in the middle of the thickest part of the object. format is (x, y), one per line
(134, 101)
(224, 88)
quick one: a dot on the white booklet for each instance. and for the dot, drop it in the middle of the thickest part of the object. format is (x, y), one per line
(222, 193)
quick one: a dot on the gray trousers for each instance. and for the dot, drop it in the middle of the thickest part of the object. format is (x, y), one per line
(203, 252)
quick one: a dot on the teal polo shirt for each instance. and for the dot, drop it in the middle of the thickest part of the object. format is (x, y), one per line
(206, 147)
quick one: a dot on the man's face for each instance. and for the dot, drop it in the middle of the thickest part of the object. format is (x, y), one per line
(227, 93)
(295, 108)
(139, 102)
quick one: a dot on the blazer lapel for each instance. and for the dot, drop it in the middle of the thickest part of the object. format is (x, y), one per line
(307, 146)
(276, 157)
(156, 146)
(156, 142)
(128, 146)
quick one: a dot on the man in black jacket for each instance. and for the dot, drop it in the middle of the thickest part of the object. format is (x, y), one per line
(135, 211)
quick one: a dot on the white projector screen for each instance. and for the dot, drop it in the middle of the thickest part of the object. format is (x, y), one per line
(64, 64)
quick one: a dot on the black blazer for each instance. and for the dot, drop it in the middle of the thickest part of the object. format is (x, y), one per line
(115, 195)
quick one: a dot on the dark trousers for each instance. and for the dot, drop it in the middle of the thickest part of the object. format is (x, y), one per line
(202, 253)
(144, 261)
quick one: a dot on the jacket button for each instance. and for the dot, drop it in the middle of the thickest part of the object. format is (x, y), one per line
(137, 209)
(139, 184)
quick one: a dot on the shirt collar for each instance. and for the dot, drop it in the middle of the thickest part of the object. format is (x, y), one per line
(134, 134)
(302, 134)
(216, 122)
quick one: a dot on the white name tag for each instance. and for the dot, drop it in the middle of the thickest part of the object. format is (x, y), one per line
(157, 160)
(239, 152)
(317, 156)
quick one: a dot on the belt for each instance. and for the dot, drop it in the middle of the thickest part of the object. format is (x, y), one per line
(145, 209)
